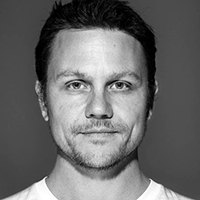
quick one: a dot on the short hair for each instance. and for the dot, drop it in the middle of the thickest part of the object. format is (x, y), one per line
(92, 14)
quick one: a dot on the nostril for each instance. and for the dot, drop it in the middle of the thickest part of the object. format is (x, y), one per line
(99, 108)
(98, 116)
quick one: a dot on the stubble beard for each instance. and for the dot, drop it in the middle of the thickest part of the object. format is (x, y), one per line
(78, 158)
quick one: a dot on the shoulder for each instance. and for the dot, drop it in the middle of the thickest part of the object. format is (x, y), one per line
(157, 191)
(29, 193)
(167, 194)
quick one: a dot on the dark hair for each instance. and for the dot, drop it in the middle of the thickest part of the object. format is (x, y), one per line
(91, 14)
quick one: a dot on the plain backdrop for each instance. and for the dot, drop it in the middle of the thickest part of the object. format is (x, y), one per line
(171, 148)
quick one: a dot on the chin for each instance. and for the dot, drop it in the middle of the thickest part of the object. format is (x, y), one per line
(96, 161)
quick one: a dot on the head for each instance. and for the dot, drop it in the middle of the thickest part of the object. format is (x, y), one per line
(95, 63)
(89, 14)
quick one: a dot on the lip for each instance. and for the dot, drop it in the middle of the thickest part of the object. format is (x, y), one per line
(101, 131)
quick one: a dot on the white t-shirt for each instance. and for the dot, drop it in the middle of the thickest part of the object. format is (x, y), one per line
(40, 191)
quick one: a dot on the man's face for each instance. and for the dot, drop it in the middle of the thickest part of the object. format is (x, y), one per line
(96, 95)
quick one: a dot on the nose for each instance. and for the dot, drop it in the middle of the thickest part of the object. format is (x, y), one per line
(99, 107)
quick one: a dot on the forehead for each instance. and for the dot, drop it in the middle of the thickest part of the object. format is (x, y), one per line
(96, 49)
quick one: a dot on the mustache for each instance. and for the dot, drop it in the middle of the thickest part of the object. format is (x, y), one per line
(99, 124)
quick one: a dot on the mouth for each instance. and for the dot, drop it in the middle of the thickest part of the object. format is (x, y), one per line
(99, 131)
(99, 137)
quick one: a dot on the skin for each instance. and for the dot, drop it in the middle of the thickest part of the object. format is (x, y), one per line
(96, 108)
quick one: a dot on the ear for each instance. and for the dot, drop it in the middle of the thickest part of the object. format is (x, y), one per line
(40, 95)
(156, 88)
(155, 96)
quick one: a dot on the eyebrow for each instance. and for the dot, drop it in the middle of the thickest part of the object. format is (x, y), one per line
(68, 73)
(113, 76)
(124, 74)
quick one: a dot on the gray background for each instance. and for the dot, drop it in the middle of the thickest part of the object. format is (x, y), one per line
(170, 151)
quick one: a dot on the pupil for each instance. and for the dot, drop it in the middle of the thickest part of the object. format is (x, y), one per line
(76, 85)
(120, 85)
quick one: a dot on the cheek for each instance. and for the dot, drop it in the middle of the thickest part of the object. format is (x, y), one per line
(63, 112)
(130, 108)
(64, 109)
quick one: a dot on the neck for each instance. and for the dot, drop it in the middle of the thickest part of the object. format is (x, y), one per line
(124, 181)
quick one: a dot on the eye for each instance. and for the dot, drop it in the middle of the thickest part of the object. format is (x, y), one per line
(120, 86)
(76, 86)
